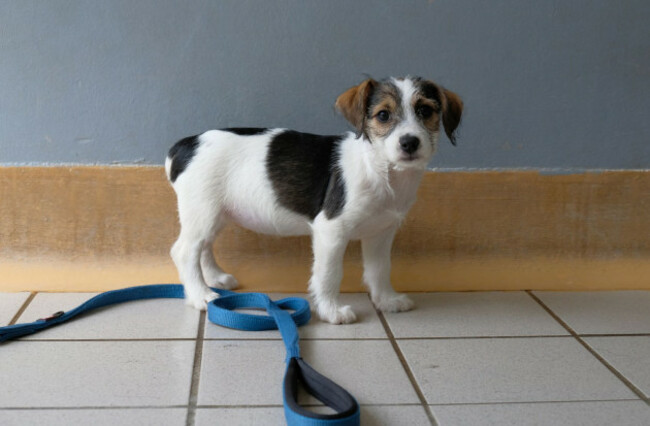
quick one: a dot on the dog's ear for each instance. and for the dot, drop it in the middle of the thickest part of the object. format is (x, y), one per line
(353, 103)
(452, 109)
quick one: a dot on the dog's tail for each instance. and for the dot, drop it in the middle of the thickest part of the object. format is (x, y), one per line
(179, 157)
(168, 167)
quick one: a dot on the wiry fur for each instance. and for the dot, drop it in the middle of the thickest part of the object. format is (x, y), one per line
(229, 178)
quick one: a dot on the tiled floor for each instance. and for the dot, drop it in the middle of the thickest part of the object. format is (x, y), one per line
(495, 358)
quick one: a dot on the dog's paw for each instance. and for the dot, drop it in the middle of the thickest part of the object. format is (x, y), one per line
(336, 314)
(200, 300)
(394, 303)
(220, 279)
(226, 282)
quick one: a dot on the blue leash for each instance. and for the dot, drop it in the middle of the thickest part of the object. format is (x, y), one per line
(221, 311)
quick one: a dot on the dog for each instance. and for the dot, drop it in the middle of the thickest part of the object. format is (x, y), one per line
(358, 186)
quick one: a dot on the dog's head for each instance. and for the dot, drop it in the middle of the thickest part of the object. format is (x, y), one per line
(401, 117)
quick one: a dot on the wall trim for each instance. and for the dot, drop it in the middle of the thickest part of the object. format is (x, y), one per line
(92, 228)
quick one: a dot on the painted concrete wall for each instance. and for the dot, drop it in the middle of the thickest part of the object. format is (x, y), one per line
(547, 84)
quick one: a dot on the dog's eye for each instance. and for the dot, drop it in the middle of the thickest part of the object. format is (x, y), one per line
(383, 115)
(424, 111)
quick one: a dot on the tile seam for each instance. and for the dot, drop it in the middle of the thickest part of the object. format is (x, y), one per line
(614, 335)
(407, 369)
(196, 373)
(577, 401)
(198, 406)
(302, 339)
(549, 336)
(23, 307)
(370, 339)
(142, 339)
(591, 350)
(207, 406)
(100, 407)
(413, 404)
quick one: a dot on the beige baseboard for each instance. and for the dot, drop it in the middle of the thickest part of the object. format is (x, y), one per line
(289, 276)
(99, 228)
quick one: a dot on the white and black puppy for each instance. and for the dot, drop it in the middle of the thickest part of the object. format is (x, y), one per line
(334, 188)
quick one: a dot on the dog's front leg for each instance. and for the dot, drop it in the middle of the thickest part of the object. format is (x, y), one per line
(376, 272)
(329, 243)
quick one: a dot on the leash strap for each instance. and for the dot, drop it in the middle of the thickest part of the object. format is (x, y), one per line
(222, 311)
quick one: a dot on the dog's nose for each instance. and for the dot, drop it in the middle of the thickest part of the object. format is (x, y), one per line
(409, 143)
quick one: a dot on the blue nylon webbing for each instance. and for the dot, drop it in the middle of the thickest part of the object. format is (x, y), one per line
(221, 311)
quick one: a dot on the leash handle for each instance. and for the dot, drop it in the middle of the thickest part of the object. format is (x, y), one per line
(222, 311)
(347, 411)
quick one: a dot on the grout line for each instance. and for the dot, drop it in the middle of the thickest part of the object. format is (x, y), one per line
(407, 369)
(31, 297)
(593, 352)
(575, 401)
(615, 335)
(142, 339)
(208, 406)
(163, 407)
(191, 339)
(544, 336)
(370, 339)
(353, 339)
(112, 407)
(302, 339)
(196, 373)
(415, 404)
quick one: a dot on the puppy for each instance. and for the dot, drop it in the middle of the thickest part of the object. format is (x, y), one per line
(358, 186)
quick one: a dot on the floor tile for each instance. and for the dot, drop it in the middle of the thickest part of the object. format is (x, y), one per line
(389, 415)
(238, 372)
(267, 416)
(619, 413)
(601, 312)
(154, 319)
(10, 303)
(473, 314)
(630, 356)
(367, 325)
(509, 370)
(376, 415)
(241, 373)
(95, 374)
(95, 417)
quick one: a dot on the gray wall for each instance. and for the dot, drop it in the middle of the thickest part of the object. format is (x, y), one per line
(547, 84)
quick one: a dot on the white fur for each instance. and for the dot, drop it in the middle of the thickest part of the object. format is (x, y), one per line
(409, 125)
(226, 182)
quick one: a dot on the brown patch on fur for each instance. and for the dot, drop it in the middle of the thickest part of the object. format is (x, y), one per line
(433, 122)
(452, 109)
(385, 97)
(377, 128)
(353, 103)
(450, 105)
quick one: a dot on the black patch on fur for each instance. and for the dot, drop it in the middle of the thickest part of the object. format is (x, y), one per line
(246, 131)
(181, 154)
(335, 195)
(428, 90)
(303, 171)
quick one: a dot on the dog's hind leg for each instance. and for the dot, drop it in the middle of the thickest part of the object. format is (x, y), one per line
(198, 224)
(376, 273)
(212, 272)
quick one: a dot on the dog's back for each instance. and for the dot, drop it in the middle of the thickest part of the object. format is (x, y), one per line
(267, 180)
